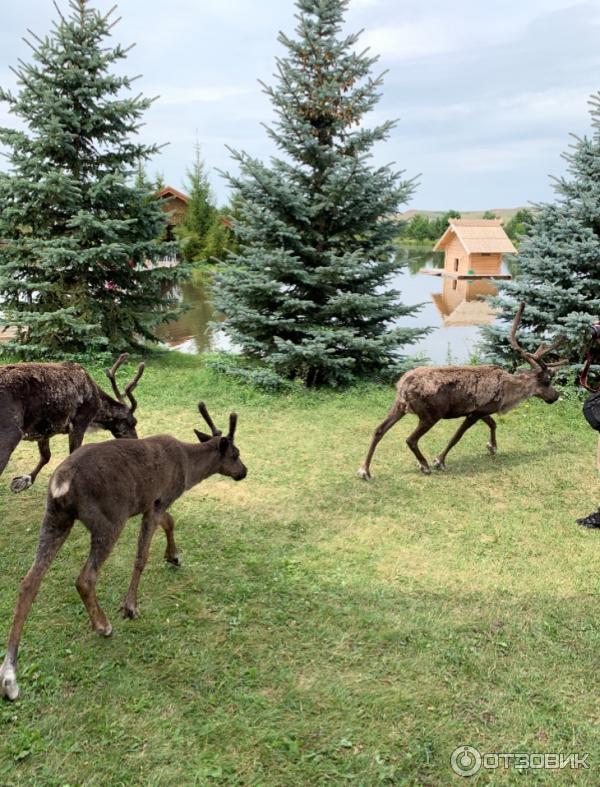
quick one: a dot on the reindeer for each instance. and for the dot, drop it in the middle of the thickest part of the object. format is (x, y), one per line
(435, 393)
(103, 485)
(40, 400)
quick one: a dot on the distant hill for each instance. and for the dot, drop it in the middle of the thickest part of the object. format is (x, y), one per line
(503, 213)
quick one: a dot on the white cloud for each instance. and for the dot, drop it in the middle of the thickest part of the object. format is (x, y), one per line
(359, 4)
(410, 40)
(171, 95)
(550, 108)
(500, 157)
(446, 28)
(486, 92)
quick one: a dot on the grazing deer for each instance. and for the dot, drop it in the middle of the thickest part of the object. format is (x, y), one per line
(103, 485)
(40, 400)
(435, 393)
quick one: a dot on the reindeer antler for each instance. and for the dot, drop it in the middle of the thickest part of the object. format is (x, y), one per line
(128, 392)
(544, 349)
(110, 373)
(204, 413)
(130, 387)
(535, 359)
(232, 425)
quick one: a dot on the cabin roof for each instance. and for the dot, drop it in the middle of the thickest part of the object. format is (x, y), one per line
(169, 191)
(477, 236)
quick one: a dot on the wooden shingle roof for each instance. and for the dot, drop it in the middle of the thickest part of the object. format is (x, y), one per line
(169, 191)
(478, 236)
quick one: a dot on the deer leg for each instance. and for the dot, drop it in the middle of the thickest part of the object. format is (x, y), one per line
(76, 436)
(413, 443)
(492, 446)
(395, 414)
(55, 529)
(440, 462)
(100, 549)
(147, 528)
(22, 482)
(11, 437)
(171, 553)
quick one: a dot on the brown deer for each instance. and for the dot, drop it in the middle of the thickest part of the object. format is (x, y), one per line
(103, 485)
(40, 400)
(435, 393)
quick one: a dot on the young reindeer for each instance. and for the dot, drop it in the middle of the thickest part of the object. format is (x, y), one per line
(104, 484)
(40, 400)
(476, 392)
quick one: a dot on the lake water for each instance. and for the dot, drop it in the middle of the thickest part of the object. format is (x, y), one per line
(454, 309)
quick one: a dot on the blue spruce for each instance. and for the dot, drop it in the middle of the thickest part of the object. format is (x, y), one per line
(307, 295)
(559, 260)
(77, 230)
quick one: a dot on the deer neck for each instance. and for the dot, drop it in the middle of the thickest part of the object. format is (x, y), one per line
(203, 460)
(108, 411)
(517, 388)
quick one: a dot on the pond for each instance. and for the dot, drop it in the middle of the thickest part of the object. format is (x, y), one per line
(454, 309)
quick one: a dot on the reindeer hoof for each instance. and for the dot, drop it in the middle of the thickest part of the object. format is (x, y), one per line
(130, 612)
(8, 683)
(362, 473)
(105, 631)
(20, 483)
(440, 466)
(425, 469)
(174, 561)
(492, 449)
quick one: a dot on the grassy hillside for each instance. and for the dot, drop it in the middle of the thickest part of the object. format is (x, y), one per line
(321, 630)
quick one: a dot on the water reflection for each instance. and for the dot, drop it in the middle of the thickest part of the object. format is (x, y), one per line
(463, 302)
(192, 333)
(455, 313)
(418, 257)
(454, 309)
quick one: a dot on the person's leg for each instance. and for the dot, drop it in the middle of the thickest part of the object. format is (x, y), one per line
(592, 520)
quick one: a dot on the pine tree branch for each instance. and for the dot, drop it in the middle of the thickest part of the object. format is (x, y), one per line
(115, 23)
(109, 13)
(59, 12)
(37, 38)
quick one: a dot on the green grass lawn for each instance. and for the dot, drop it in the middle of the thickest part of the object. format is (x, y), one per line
(322, 630)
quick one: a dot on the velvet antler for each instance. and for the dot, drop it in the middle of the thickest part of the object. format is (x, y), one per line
(204, 413)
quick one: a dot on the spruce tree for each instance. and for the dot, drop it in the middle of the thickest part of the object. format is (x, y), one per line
(559, 259)
(218, 240)
(307, 294)
(518, 226)
(78, 229)
(200, 213)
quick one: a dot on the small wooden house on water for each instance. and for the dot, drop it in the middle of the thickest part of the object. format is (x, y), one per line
(474, 248)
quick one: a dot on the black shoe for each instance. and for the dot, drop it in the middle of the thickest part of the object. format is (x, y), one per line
(591, 521)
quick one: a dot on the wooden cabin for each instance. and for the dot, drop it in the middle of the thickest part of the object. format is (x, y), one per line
(474, 247)
(175, 203)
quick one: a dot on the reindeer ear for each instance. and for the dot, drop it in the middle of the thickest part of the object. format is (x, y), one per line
(223, 444)
(204, 438)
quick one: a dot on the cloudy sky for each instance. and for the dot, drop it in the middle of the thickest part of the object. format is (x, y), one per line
(486, 93)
